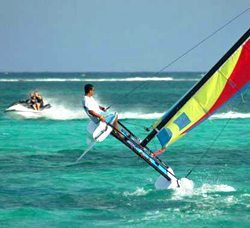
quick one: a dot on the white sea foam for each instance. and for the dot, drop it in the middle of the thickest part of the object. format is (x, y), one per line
(156, 115)
(187, 189)
(207, 188)
(54, 113)
(134, 79)
(231, 115)
(59, 112)
(137, 192)
(64, 112)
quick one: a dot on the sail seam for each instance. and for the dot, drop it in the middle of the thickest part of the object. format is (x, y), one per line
(231, 82)
(204, 109)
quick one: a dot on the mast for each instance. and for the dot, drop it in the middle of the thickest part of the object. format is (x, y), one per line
(194, 89)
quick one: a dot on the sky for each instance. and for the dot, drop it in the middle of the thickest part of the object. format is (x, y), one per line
(116, 35)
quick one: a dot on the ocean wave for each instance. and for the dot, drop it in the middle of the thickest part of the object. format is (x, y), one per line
(231, 115)
(62, 112)
(137, 192)
(157, 115)
(59, 112)
(134, 79)
(41, 80)
(205, 190)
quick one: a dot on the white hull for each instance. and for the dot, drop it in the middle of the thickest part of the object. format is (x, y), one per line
(102, 130)
(163, 183)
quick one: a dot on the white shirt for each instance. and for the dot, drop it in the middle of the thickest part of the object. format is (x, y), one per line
(91, 104)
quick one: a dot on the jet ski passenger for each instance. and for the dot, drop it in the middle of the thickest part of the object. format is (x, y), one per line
(39, 101)
(32, 101)
(35, 101)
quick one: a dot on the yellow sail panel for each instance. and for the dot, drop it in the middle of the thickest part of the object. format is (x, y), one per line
(199, 104)
(189, 114)
(209, 93)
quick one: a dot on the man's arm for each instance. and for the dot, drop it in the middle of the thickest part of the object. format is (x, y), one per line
(93, 113)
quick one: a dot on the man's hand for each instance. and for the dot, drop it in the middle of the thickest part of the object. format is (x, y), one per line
(102, 118)
(103, 108)
(107, 108)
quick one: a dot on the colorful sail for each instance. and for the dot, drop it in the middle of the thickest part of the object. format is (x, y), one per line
(227, 78)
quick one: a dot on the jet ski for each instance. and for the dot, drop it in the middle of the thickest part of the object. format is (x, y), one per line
(24, 108)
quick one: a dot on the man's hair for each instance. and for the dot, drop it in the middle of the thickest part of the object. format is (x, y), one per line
(88, 87)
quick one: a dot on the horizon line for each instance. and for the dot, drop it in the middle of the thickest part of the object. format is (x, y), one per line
(86, 72)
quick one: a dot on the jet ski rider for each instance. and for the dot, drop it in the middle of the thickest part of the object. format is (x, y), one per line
(36, 101)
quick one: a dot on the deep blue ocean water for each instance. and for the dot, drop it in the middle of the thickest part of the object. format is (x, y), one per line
(40, 185)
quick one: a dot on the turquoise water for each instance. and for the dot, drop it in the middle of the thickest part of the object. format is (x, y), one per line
(42, 186)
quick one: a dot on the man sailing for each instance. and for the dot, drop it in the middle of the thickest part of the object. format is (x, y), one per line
(94, 110)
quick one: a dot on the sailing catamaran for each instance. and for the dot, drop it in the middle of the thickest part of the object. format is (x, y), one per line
(228, 77)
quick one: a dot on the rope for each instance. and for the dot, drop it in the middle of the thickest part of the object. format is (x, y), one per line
(186, 52)
(205, 39)
(138, 125)
(210, 147)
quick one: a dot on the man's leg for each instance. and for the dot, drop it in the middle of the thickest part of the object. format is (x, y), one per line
(116, 124)
(116, 127)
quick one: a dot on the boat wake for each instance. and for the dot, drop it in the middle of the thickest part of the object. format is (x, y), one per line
(56, 112)
(188, 189)
(63, 111)
(231, 115)
(137, 192)
(207, 188)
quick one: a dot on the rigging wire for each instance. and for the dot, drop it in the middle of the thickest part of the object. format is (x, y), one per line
(213, 142)
(177, 59)
(187, 52)
(208, 149)
(137, 125)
